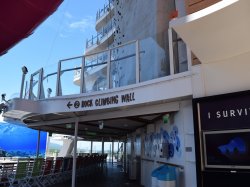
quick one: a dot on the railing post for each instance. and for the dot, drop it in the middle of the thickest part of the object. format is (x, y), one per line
(75, 153)
(25, 71)
(40, 83)
(171, 53)
(91, 147)
(137, 65)
(102, 146)
(112, 153)
(31, 86)
(38, 144)
(82, 86)
(108, 69)
(58, 82)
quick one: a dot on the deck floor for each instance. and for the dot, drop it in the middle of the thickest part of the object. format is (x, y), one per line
(112, 177)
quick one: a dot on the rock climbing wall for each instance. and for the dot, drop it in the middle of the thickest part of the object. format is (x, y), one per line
(146, 21)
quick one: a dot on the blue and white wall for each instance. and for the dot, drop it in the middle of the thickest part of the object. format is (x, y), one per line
(179, 133)
(20, 141)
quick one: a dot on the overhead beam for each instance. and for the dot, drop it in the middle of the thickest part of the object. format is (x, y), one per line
(136, 111)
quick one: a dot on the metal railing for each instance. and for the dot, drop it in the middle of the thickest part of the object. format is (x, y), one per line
(107, 8)
(127, 64)
(100, 35)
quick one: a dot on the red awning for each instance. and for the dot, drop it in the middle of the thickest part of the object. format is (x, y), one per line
(18, 19)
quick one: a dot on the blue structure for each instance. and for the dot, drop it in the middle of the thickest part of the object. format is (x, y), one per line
(20, 141)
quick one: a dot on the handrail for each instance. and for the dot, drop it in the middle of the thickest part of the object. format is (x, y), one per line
(67, 59)
(95, 39)
(106, 8)
(106, 50)
(161, 162)
(86, 62)
(81, 67)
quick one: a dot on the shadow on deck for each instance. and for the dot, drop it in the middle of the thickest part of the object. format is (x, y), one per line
(113, 176)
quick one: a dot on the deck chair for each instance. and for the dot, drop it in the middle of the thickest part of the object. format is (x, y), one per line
(66, 168)
(45, 179)
(79, 163)
(36, 172)
(19, 175)
(57, 171)
(5, 168)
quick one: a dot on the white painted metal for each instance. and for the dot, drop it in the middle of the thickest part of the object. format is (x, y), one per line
(82, 82)
(137, 56)
(58, 82)
(91, 147)
(74, 153)
(38, 144)
(102, 146)
(108, 69)
(39, 94)
(142, 110)
(168, 88)
(22, 84)
(112, 152)
(40, 73)
(216, 32)
(171, 52)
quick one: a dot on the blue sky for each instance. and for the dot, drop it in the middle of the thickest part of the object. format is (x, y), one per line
(62, 35)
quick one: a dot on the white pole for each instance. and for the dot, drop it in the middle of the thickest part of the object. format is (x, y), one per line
(171, 52)
(38, 144)
(74, 153)
(112, 152)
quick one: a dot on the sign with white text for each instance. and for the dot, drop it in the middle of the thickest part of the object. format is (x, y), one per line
(102, 101)
(225, 112)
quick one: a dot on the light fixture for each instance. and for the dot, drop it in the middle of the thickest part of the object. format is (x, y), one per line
(68, 126)
(3, 97)
(24, 70)
(101, 124)
(165, 118)
(49, 91)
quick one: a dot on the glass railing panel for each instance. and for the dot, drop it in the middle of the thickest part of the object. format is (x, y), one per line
(67, 84)
(104, 10)
(95, 72)
(49, 81)
(154, 61)
(95, 40)
(34, 86)
(123, 66)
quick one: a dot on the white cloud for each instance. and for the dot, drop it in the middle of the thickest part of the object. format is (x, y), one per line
(83, 24)
(63, 35)
(68, 15)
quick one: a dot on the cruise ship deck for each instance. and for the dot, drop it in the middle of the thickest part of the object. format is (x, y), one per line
(168, 81)
(113, 176)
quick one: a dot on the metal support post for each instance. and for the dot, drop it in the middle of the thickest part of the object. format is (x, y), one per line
(58, 81)
(171, 53)
(112, 153)
(74, 153)
(108, 69)
(25, 71)
(82, 86)
(38, 144)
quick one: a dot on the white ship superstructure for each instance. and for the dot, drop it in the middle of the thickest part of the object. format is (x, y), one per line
(150, 79)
